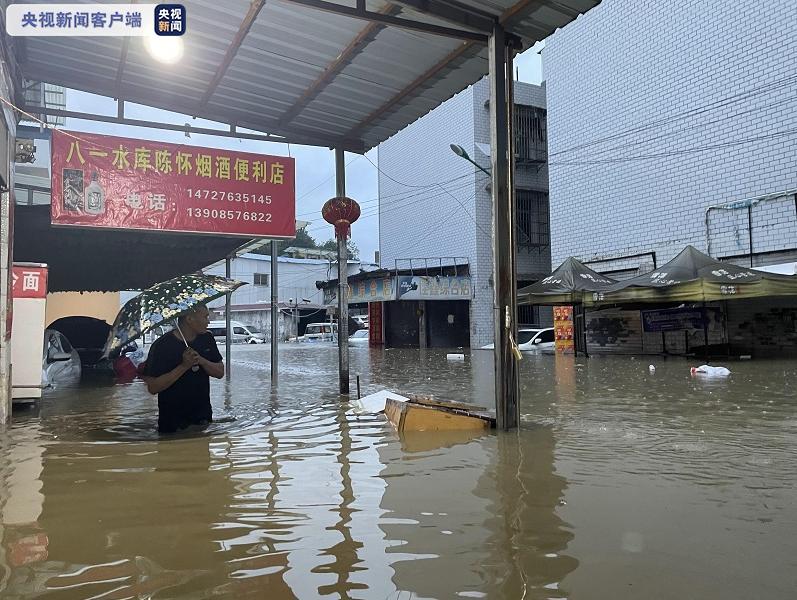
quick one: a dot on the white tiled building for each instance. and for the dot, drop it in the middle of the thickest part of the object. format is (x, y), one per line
(434, 204)
(692, 107)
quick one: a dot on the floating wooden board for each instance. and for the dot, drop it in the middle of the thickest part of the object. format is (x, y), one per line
(426, 414)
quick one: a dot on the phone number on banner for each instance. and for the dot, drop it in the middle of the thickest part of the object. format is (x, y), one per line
(228, 196)
(230, 215)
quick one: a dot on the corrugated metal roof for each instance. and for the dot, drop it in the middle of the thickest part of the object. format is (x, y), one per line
(297, 71)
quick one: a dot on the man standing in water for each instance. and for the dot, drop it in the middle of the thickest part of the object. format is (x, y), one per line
(180, 375)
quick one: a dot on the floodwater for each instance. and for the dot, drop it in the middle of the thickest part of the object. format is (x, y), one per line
(621, 483)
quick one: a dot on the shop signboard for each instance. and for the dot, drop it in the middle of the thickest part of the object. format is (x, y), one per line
(674, 319)
(123, 183)
(382, 289)
(29, 281)
(430, 287)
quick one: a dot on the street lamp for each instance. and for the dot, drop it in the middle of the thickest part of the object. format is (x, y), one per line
(461, 152)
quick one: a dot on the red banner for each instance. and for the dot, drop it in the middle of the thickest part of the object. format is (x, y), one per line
(29, 282)
(123, 183)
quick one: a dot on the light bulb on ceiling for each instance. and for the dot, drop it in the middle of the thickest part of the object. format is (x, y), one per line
(165, 49)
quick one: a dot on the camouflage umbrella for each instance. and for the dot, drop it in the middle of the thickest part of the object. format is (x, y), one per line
(163, 302)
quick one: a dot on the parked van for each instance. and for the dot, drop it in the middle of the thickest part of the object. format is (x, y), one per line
(317, 332)
(241, 333)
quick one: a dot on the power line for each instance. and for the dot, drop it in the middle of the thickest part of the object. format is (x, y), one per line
(377, 209)
(325, 180)
(378, 198)
(429, 230)
(772, 86)
(696, 126)
(388, 206)
(680, 151)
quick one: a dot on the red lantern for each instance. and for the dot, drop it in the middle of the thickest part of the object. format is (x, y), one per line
(341, 212)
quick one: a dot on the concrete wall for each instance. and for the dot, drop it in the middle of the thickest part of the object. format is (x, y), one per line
(99, 305)
(659, 110)
(763, 327)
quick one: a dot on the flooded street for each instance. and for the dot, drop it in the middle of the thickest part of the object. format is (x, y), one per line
(621, 483)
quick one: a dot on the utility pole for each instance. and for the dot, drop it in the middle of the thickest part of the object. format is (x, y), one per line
(343, 284)
(275, 311)
(227, 319)
(504, 251)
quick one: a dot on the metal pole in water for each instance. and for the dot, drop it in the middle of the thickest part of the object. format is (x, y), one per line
(343, 285)
(503, 199)
(274, 315)
(228, 318)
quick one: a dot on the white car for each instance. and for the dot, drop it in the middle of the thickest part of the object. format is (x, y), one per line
(531, 340)
(241, 333)
(60, 362)
(320, 332)
(359, 338)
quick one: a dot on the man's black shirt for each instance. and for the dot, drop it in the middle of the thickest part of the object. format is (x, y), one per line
(187, 401)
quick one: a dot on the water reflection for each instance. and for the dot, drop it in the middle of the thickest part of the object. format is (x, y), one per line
(622, 483)
(528, 538)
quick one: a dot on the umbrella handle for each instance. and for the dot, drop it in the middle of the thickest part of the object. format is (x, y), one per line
(180, 331)
(195, 368)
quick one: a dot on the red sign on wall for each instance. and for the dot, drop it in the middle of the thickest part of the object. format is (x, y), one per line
(375, 337)
(123, 183)
(29, 282)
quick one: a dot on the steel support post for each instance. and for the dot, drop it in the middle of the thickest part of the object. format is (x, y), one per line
(275, 313)
(343, 284)
(503, 197)
(227, 319)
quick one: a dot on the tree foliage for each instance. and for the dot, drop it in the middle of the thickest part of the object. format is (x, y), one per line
(305, 240)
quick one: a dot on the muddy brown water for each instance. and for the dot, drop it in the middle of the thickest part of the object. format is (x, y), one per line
(621, 483)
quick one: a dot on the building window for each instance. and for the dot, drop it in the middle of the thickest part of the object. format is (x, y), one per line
(261, 279)
(533, 219)
(531, 139)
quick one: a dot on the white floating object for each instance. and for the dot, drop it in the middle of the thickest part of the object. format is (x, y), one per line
(652, 368)
(375, 403)
(455, 357)
(745, 357)
(711, 371)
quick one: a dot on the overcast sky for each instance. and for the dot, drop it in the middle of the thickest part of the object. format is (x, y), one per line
(315, 167)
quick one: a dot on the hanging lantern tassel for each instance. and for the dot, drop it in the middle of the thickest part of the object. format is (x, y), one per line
(341, 212)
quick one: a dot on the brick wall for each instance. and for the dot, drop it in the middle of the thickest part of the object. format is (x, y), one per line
(659, 110)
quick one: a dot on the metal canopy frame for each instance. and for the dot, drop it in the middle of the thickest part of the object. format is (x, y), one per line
(309, 116)
(360, 12)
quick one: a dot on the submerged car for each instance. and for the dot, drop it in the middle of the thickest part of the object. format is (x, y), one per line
(241, 333)
(359, 338)
(320, 332)
(87, 335)
(532, 339)
(60, 360)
